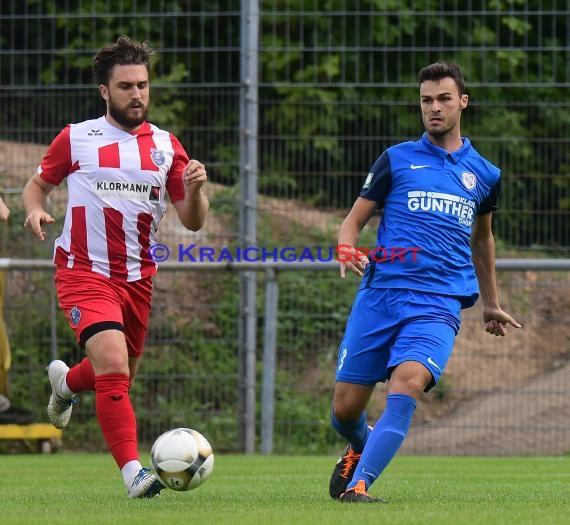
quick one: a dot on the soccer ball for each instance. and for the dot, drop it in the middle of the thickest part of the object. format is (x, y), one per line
(182, 459)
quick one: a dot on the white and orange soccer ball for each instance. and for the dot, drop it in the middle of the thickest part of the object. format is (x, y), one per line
(182, 459)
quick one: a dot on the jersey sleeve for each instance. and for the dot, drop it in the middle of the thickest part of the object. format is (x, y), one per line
(491, 202)
(379, 181)
(174, 183)
(57, 163)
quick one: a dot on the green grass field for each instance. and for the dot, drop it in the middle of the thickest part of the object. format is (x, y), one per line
(84, 489)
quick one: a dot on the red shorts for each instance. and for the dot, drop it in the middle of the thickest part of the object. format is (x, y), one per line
(93, 303)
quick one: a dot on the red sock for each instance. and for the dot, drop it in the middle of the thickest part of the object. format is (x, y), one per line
(116, 416)
(81, 377)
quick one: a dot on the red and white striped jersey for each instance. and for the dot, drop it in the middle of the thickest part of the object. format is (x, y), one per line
(117, 183)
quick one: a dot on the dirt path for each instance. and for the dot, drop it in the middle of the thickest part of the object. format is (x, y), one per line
(533, 419)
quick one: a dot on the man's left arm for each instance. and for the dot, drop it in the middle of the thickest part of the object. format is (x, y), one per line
(192, 209)
(483, 255)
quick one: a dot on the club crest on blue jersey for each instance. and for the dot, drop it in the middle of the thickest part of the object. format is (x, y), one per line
(75, 315)
(157, 156)
(469, 180)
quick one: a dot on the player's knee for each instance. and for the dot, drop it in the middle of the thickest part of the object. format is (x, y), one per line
(350, 401)
(412, 386)
(347, 408)
(111, 365)
(345, 414)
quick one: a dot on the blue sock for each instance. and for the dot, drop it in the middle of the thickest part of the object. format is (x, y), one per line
(355, 432)
(385, 439)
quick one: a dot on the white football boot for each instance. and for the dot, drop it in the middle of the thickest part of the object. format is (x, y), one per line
(145, 485)
(60, 406)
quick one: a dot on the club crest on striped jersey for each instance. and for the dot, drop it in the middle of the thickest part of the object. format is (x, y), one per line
(75, 315)
(157, 156)
(469, 180)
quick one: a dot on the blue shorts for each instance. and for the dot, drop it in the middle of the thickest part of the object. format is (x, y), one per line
(389, 326)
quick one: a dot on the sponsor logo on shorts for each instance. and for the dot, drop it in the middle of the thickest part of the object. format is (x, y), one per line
(433, 363)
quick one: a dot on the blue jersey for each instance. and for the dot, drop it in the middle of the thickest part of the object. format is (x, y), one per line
(430, 199)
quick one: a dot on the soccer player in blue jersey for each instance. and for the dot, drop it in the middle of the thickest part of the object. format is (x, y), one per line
(435, 254)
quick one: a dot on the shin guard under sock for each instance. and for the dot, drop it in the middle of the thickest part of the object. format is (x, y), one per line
(355, 432)
(116, 416)
(81, 377)
(386, 438)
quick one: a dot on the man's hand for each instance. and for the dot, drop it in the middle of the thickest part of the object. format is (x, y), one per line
(352, 259)
(35, 220)
(194, 176)
(496, 321)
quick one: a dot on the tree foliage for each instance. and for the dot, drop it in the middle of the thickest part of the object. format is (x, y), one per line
(337, 84)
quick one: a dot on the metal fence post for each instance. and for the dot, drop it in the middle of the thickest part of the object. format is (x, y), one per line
(249, 108)
(269, 361)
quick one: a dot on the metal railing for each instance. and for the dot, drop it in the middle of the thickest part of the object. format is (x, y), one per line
(275, 277)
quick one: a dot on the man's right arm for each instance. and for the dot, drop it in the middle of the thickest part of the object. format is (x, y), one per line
(373, 194)
(54, 167)
(34, 199)
(349, 234)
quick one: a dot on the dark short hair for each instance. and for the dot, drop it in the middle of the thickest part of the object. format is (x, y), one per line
(123, 52)
(441, 70)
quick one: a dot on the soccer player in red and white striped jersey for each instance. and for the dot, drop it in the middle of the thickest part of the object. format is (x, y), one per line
(118, 170)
